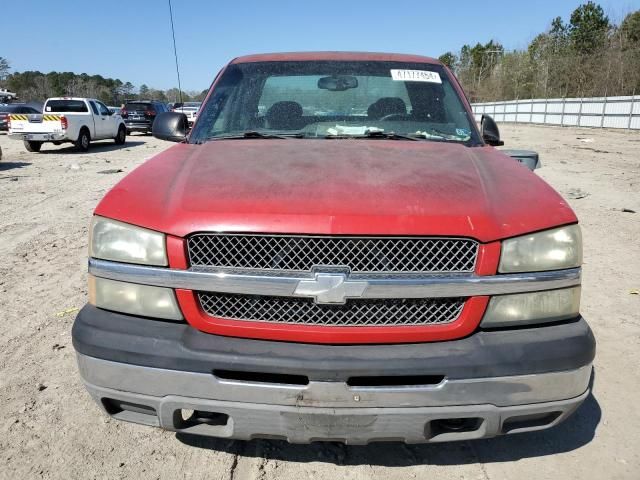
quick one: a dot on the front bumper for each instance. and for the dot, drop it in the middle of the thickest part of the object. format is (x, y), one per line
(489, 383)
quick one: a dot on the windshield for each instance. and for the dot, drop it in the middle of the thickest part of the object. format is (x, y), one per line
(335, 99)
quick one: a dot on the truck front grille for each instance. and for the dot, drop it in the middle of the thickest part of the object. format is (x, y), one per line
(354, 313)
(359, 254)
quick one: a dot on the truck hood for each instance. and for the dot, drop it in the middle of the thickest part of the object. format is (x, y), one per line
(346, 186)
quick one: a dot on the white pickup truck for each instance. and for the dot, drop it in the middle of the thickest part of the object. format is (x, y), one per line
(75, 120)
(6, 95)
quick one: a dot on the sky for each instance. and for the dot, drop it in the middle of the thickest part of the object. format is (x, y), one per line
(131, 40)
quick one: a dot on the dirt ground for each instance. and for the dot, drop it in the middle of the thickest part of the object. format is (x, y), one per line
(49, 427)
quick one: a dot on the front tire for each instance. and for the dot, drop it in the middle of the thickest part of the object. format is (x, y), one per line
(32, 146)
(83, 142)
(121, 136)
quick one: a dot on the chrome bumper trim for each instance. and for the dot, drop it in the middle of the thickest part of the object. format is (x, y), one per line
(37, 136)
(405, 286)
(498, 391)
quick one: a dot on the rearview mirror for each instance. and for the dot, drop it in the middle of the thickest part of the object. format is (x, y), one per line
(490, 132)
(171, 126)
(337, 83)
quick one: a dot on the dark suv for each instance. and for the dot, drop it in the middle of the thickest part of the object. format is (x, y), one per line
(139, 115)
(6, 110)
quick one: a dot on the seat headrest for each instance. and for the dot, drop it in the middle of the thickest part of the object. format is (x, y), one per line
(284, 116)
(386, 106)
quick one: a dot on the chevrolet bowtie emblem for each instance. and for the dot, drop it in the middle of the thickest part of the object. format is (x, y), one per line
(330, 288)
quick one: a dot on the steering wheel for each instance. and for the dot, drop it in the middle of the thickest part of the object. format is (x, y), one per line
(393, 116)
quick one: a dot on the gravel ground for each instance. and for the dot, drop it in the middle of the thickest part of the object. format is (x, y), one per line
(49, 427)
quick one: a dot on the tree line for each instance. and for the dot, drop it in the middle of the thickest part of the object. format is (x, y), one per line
(38, 86)
(586, 56)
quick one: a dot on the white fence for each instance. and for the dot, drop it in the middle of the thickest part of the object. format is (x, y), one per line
(607, 112)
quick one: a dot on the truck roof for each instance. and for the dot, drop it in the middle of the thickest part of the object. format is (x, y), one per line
(344, 56)
(69, 98)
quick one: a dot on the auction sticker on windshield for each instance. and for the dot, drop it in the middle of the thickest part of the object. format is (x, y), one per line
(416, 76)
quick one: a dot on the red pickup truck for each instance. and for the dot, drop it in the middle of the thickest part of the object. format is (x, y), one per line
(335, 252)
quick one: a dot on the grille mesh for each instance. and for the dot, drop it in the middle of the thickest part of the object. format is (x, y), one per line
(361, 313)
(361, 255)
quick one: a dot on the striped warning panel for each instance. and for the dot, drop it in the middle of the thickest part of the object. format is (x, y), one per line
(46, 118)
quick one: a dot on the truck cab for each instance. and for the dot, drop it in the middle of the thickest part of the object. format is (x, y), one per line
(337, 252)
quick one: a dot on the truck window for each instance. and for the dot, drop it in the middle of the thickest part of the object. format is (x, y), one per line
(66, 106)
(102, 108)
(93, 107)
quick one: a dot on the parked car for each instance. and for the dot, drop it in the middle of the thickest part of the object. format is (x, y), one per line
(139, 115)
(6, 95)
(190, 109)
(16, 109)
(343, 277)
(67, 119)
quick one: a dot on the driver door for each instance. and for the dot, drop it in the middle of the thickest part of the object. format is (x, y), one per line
(105, 123)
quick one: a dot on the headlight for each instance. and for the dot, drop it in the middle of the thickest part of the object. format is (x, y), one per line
(549, 250)
(121, 242)
(134, 299)
(535, 307)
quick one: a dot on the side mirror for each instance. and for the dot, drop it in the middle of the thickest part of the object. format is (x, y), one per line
(490, 132)
(171, 126)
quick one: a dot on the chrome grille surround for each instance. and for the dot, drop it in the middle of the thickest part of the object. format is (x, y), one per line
(389, 289)
(354, 313)
(295, 253)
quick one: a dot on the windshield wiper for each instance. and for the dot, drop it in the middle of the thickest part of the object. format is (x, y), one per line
(256, 134)
(253, 134)
(377, 134)
(388, 135)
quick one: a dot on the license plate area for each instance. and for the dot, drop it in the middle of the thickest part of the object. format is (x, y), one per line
(37, 137)
(326, 426)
